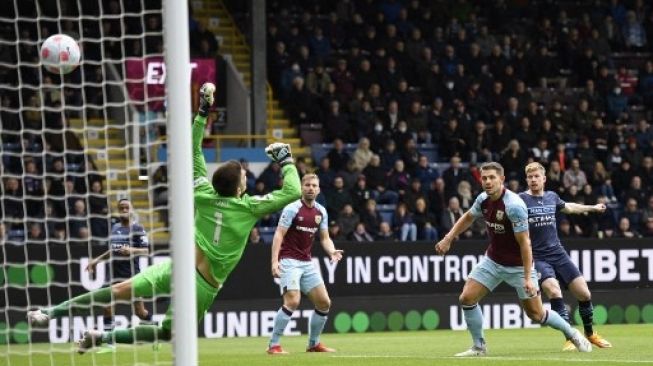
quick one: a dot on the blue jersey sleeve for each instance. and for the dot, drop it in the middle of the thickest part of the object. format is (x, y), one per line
(324, 224)
(288, 214)
(560, 204)
(517, 214)
(476, 209)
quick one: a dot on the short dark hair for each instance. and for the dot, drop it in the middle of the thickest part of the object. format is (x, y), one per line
(492, 165)
(226, 178)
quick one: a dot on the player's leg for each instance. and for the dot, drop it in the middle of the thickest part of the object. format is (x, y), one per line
(481, 281)
(153, 280)
(152, 333)
(532, 305)
(580, 290)
(312, 284)
(551, 288)
(290, 276)
(91, 302)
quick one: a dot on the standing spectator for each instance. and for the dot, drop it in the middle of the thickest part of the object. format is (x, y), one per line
(99, 210)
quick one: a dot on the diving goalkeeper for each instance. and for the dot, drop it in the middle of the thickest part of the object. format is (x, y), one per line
(224, 217)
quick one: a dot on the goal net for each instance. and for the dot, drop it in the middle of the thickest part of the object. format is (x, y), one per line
(74, 147)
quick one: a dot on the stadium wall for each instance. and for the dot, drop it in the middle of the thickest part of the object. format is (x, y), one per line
(377, 287)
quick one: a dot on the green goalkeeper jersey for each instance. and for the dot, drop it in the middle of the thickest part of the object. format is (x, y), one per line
(223, 224)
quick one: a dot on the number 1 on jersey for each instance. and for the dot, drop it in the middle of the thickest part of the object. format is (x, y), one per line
(218, 228)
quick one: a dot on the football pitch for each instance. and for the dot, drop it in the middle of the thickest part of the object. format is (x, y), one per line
(523, 347)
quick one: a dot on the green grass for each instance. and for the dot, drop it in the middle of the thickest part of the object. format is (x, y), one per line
(522, 347)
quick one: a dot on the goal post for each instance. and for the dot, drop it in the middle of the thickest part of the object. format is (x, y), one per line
(177, 57)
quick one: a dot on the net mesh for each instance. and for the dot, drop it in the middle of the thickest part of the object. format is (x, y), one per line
(72, 146)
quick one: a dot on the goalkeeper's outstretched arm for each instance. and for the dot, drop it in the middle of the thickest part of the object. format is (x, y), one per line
(291, 189)
(206, 100)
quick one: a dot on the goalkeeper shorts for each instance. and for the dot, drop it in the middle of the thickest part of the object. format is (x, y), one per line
(155, 281)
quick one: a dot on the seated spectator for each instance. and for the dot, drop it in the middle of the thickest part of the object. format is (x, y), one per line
(371, 217)
(450, 215)
(360, 234)
(337, 125)
(647, 213)
(402, 223)
(335, 233)
(77, 221)
(398, 178)
(389, 155)
(633, 214)
(347, 220)
(99, 210)
(386, 234)
(362, 155)
(574, 176)
(12, 199)
(465, 195)
(35, 232)
(635, 191)
(453, 175)
(413, 192)
(361, 193)
(338, 156)
(424, 221)
(605, 223)
(425, 173)
(565, 230)
(513, 159)
(624, 230)
(634, 34)
(436, 198)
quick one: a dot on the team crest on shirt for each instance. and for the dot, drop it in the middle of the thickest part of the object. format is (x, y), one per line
(499, 215)
(318, 219)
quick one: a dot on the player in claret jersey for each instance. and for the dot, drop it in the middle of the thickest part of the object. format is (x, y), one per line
(291, 263)
(508, 258)
(551, 260)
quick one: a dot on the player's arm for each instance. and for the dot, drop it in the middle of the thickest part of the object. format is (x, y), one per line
(291, 189)
(572, 208)
(329, 248)
(285, 221)
(518, 216)
(199, 123)
(279, 234)
(95, 261)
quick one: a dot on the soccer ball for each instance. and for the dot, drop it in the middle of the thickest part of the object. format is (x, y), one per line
(60, 54)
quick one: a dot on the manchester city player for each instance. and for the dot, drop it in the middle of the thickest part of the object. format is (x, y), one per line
(291, 263)
(508, 258)
(551, 260)
(127, 242)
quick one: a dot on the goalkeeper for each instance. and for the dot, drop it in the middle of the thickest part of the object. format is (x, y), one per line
(224, 217)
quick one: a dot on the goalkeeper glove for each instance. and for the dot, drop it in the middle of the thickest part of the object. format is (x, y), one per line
(279, 153)
(206, 99)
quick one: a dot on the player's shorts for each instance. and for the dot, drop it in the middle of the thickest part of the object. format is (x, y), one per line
(490, 274)
(299, 275)
(156, 279)
(557, 266)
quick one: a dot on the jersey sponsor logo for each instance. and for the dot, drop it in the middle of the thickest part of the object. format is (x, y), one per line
(499, 215)
(318, 219)
(498, 228)
(311, 230)
(300, 218)
(542, 210)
